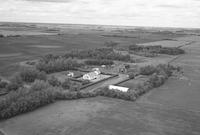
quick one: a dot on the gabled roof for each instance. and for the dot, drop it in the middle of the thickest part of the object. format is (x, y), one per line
(92, 74)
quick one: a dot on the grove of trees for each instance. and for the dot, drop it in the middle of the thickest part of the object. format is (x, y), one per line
(99, 62)
(157, 49)
(51, 65)
(101, 53)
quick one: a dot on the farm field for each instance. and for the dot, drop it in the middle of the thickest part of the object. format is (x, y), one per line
(167, 43)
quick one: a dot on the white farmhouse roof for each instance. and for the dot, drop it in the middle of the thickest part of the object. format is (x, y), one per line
(113, 87)
(91, 75)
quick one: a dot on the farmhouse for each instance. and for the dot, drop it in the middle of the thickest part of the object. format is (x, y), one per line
(91, 75)
(122, 89)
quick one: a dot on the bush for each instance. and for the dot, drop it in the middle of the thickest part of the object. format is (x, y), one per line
(66, 84)
(165, 70)
(31, 74)
(131, 75)
(15, 83)
(54, 81)
(147, 70)
(12, 86)
(3, 84)
(156, 80)
(75, 87)
(39, 85)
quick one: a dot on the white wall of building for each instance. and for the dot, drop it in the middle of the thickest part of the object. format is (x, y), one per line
(113, 87)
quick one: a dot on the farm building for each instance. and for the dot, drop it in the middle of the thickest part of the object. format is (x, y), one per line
(91, 75)
(122, 89)
(103, 66)
(70, 74)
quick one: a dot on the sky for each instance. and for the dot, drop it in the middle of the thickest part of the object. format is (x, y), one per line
(157, 13)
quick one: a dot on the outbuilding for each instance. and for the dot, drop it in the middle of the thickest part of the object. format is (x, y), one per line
(70, 74)
(122, 89)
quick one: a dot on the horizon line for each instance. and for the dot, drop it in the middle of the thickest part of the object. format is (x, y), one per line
(100, 24)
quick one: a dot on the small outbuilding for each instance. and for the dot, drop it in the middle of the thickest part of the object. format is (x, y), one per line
(70, 74)
(103, 66)
(122, 89)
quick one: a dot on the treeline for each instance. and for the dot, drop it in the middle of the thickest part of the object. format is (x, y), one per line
(56, 64)
(24, 100)
(42, 92)
(171, 51)
(103, 56)
(99, 62)
(102, 53)
(39, 94)
(26, 75)
(157, 49)
(159, 69)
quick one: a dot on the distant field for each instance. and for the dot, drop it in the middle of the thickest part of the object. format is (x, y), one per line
(166, 43)
(10, 33)
(31, 45)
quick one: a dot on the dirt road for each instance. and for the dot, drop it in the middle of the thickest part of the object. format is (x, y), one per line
(173, 109)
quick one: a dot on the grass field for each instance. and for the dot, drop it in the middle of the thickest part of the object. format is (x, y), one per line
(133, 83)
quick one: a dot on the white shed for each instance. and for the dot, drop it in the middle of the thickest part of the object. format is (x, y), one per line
(113, 87)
